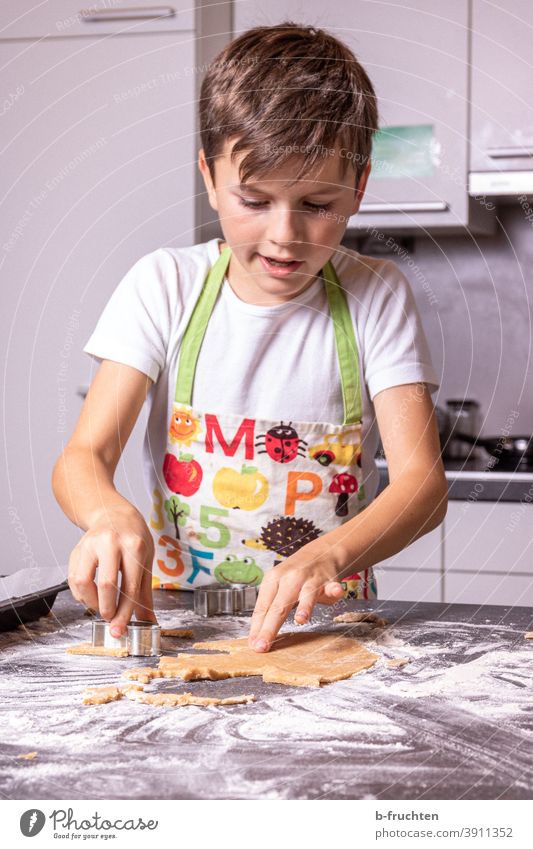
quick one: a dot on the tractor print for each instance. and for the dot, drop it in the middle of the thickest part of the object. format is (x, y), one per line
(335, 449)
(281, 443)
(284, 536)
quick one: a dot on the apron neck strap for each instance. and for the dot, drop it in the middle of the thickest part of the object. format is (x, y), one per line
(347, 352)
(195, 332)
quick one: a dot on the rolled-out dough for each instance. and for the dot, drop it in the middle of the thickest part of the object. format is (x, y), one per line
(99, 651)
(182, 699)
(103, 695)
(183, 633)
(369, 617)
(302, 660)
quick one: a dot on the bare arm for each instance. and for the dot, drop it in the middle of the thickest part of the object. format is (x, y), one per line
(413, 504)
(117, 537)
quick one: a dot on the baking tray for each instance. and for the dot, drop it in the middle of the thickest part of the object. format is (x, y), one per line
(27, 608)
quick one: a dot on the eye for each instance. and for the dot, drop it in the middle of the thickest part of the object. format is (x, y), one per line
(318, 207)
(252, 204)
(188, 422)
(247, 561)
(230, 558)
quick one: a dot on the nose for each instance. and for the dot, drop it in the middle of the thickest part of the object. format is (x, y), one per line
(284, 229)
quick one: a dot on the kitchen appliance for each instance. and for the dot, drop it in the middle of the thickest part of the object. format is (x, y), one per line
(509, 452)
(461, 417)
(219, 599)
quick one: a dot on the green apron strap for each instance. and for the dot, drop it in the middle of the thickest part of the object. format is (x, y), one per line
(347, 352)
(195, 332)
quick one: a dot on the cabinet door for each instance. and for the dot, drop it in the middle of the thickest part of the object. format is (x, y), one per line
(65, 18)
(97, 169)
(415, 573)
(502, 84)
(416, 55)
(490, 588)
(488, 553)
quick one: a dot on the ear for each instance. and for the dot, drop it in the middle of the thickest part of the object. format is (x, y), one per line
(360, 190)
(208, 181)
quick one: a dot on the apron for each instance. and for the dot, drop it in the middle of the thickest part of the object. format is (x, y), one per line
(239, 494)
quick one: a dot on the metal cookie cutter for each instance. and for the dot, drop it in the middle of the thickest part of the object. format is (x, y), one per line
(216, 599)
(142, 639)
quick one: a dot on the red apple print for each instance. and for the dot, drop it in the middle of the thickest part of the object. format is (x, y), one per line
(183, 475)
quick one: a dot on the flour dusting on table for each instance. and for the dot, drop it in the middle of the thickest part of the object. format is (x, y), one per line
(374, 727)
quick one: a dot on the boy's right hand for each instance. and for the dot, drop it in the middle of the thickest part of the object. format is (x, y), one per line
(116, 541)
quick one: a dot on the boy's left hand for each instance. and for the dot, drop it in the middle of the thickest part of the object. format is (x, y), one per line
(306, 578)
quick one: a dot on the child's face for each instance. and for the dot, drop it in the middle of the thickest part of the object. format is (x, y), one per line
(267, 219)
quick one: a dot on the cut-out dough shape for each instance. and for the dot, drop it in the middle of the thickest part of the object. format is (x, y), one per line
(182, 699)
(98, 651)
(103, 695)
(397, 662)
(528, 635)
(368, 617)
(29, 756)
(302, 660)
(135, 692)
(182, 633)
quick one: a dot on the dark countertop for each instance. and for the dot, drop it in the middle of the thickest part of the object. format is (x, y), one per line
(457, 722)
(475, 480)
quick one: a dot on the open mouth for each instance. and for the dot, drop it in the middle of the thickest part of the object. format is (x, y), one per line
(279, 266)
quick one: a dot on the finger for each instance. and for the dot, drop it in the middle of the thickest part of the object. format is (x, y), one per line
(309, 596)
(130, 588)
(108, 570)
(144, 609)
(331, 593)
(278, 611)
(267, 593)
(81, 571)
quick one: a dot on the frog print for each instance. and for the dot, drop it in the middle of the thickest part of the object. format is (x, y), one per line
(235, 570)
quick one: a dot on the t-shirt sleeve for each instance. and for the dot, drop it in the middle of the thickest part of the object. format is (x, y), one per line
(134, 326)
(396, 351)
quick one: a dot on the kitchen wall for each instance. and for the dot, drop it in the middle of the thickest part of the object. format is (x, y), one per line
(474, 296)
(473, 292)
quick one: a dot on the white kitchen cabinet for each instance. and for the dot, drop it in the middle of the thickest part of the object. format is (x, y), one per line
(96, 169)
(417, 56)
(477, 588)
(502, 83)
(488, 553)
(60, 18)
(414, 574)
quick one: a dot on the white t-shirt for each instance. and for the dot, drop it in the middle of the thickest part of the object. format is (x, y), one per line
(274, 362)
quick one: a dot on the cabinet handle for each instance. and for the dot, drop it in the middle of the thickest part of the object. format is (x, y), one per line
(131, 13)
(509, 152)
(408, 206)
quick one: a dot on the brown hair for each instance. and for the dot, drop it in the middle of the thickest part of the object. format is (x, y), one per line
(284, 90)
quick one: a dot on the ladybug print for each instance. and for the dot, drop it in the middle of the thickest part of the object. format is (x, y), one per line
(281, 443)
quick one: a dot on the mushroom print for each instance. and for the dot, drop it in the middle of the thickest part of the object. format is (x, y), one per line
(344, 485)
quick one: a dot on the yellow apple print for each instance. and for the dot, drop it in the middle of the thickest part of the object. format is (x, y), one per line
(244, 490)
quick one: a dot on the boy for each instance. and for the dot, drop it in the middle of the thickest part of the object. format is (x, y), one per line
(266, 359)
